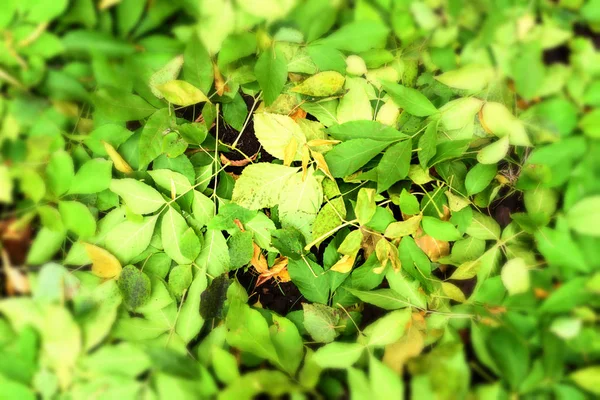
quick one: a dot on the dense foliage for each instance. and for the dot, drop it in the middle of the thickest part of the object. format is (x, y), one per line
(321, 198)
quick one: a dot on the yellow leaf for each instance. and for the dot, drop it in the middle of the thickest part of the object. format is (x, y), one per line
(398, 229)
(220, 85)
(289, 152)
(104, 4)
(120, 164)
(453, 292)
(344, 265)
(322, 164)
(322, 142)
(181, 93)
(104, 264)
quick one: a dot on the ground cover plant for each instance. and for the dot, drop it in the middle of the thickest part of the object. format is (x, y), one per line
(299, 199)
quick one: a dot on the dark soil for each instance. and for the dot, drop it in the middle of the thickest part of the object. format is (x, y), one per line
(248, 145)
(275, 296)
(501, 209)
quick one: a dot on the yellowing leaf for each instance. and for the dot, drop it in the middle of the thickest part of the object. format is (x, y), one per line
(515, 276)
(322, 142)
(434, 249)
(289, 153)
(453, 292)
(321, 163)
(455, 202)
(493, 153)
(118, 161)
(104, 264)
(344, 265)
(396, 230)
(181, 93)
(323, 84)
(470, 77)
(355, 65)
(275, 132)
(397, 354)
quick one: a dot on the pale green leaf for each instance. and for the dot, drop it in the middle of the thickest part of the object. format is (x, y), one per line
(138, 196)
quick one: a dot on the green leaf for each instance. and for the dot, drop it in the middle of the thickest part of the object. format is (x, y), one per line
(121, 106)
(190, 321)
(241, 249)
(32, 185)
(411, 100)
(409, 203)
(214, 255)
(440, 230)
(406, 288)
(94, 176)
(288, 343)
(329, 218)
(528, 70)
(365, 130)
(45, 245)
(483, 227)
(129, 239)
(357, 36)
(541, 201)
(77, 218)
(271, 73)
(150, 144)
(338, 355)
(384, 381)
(348, 157)
(514, 364)
(590, 122)
(584, 216)
(197, 65)
(322, 84)
(181, 246)
(495, 152)
(135, 287)
(60, 172)
(261, 185)
(394, 165)
(225, 365)
(388, 329)
(387, 299)
(6, 185)
(167, 179)
(479, 177)
(310, 279)
(181, 93)
(180, 279)
(587, 379)
(237, 46)
(139, 197)
(365, 205)
(321, 321)
(427, 144)
(166, 74)
(203, 208)
(248, 331)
